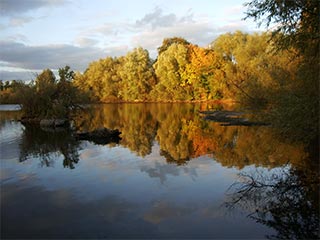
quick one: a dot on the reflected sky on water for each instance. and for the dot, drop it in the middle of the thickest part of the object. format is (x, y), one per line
(170, 176)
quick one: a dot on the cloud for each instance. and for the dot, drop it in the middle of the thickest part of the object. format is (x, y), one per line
(163, 171)
(155, 26)
(18, 75)
(200, 33)
(19, 55)
(150, 30)
(18, 37)
(107, 34)
(107, 39)
(16, 12)
(157, 19)
(17, 7)
(24, 60)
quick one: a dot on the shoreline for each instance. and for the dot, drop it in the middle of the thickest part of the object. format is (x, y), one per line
(217, 101)
(221, 101)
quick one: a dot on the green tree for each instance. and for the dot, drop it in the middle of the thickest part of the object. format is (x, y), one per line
(251, 67)
(66, 74)
(296, 25)
(50, 98)
(137, 75)
(297, 21)
(167, 42)
(169, 69)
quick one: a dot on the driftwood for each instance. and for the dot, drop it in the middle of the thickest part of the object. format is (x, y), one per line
(100, 136)
(230, 118)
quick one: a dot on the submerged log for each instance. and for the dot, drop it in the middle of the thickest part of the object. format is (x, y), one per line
(100, 136)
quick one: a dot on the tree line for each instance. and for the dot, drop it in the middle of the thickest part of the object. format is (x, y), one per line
(278, 69)
(236, 66)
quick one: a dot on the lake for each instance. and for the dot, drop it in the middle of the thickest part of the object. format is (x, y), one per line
(172, 175)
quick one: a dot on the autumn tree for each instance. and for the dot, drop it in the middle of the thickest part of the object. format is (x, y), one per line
(46, 79)
(169, 69)
(167, 42)
(204, 73)
(11, 92)
(137, 75)
(252, 70)
(100, 79)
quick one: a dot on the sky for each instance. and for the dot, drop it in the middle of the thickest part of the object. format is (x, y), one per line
(40, 34)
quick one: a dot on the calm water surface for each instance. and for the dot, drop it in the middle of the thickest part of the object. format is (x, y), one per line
(173, 175)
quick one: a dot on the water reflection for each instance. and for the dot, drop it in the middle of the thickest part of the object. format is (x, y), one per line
(182, 135)
(170, 170)
(47, 145)
(6, 116)
(287, 200)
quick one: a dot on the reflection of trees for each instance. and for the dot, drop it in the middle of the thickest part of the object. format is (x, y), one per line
(287, 201)
(242, 146)
(173, 140)
(138, 128)
(182, 135)
(5, 115)
(43, 144)
(135, 121)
